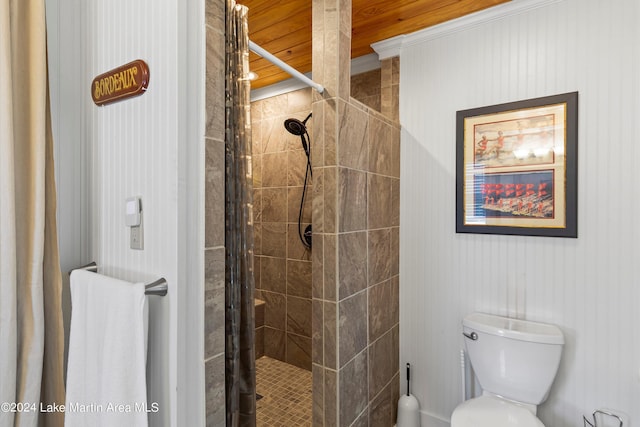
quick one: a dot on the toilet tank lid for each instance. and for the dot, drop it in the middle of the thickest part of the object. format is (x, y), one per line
(523, 330)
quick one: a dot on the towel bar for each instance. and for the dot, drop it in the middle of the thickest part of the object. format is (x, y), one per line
(159, 287)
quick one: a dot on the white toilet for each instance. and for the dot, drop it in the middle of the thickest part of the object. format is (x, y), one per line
(515, 362)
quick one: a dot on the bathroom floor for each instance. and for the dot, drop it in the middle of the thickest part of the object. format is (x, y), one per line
(286, 394)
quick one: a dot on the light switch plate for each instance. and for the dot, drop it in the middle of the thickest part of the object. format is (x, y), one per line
(137, 236)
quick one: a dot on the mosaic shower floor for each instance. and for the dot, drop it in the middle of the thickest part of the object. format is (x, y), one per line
(286, 394)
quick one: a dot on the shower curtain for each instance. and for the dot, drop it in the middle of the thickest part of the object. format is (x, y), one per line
(240, 330)
(31, 338)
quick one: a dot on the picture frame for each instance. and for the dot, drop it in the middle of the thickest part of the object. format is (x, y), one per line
(517, 168)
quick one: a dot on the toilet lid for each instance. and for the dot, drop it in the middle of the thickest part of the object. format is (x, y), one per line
(491, 411)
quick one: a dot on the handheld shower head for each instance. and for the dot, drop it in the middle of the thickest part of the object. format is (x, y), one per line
(295, 126)
(299, 128)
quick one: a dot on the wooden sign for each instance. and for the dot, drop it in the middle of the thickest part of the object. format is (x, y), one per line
(120, 83)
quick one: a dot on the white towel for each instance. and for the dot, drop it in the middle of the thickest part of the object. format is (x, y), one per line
(106, 374)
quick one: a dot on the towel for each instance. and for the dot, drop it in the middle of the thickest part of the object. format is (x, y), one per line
(106, 374)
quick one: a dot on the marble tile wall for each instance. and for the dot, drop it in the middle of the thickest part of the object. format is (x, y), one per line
(282, 263)
(390, 92)
(355, 289)
(366, 88)
(355, 210)
(214, 215)
(366, 296)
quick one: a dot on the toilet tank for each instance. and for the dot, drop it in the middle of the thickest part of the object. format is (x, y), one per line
(512, 358)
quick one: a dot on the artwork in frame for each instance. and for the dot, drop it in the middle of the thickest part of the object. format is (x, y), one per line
(517, 168)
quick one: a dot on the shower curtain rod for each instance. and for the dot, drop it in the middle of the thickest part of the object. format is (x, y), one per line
(284, 66)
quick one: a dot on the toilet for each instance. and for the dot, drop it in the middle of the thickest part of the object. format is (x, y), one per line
(515, 362)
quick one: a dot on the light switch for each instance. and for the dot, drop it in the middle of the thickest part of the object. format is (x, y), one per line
(134, 207)
(133, 219)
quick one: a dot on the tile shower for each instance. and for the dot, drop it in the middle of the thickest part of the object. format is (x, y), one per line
(282, 263)
(375, 363)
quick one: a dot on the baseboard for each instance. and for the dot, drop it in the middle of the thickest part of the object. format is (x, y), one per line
(430, 420)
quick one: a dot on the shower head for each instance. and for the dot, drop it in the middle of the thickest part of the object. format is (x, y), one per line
(295, 126)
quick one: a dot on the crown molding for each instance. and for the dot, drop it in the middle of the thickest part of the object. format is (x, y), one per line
(390, 47)
(393, 46)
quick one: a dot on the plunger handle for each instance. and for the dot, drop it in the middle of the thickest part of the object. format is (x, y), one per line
(408, 376)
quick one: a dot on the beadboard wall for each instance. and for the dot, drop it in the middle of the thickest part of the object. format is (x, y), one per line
(150, 146)
(588, 286)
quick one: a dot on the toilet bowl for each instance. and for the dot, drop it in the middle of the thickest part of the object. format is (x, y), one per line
(493, 411)
(515, 362)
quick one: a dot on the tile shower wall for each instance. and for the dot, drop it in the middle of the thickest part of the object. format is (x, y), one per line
(366, 88)
(214, 254)
(356, 282)
(356, 160)
(379, 89)
(282, 263)
(390, 91)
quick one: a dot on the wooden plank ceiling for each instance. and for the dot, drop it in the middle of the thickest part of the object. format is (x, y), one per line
(284, 27)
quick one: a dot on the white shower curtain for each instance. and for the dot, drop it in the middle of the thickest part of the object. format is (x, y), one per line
(31, 339)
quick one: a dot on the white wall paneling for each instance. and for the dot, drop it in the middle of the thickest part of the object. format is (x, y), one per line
(149, 146)
(135, 153)
(71, 153)
(587, 286)
(191, 212)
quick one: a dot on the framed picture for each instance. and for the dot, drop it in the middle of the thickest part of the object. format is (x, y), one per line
(517, 168)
